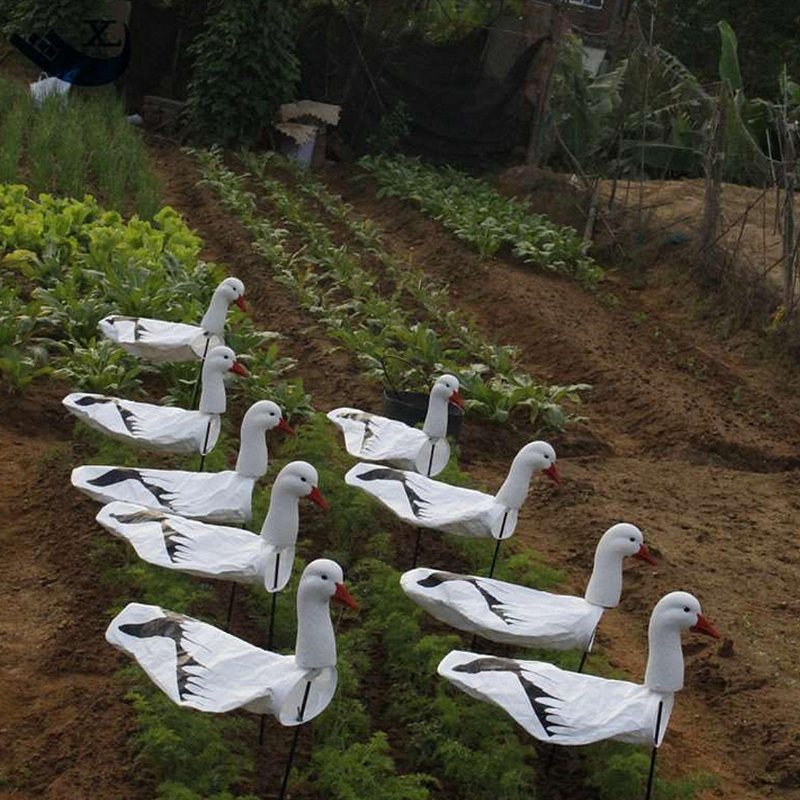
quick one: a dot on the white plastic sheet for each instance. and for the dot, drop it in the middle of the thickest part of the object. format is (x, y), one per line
(196, 547)
(503, 612)
(375, 438)
(560, 707)
(157, 340)
(162, 428)
(199, 666)
(427, 503)
(46, 87)
(219, 497)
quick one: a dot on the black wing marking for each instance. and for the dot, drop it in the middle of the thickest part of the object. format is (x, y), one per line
(128, 417)
(113, 320)
(171, 535)
(534, 693)
(173, 540)
(438, 578)
(362, 416)
(171, 627)
(138, 330)
(118, 475)
(385, 474)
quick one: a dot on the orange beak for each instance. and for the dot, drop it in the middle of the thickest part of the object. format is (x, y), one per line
(241, 303)
(643, 554)
(316, 497)
(284, 426)
(552, 473)
(240, 369)
(343, 596)
(457, 400)
(704, 626)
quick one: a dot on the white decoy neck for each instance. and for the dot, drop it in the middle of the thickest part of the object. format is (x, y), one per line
(435, 424)
(253, 455)
(283, 517)
(605, 585)
(214, 319)
(514, 490)
(212, 389)
(315, 646)
(665, 657)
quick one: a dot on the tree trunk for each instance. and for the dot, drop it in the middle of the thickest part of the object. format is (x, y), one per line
(542, 74)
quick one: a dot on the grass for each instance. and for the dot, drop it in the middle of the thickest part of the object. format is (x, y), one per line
(82, 145)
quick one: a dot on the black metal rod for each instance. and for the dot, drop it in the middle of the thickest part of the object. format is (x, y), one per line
(416, 548)
(261, 729)
(205, 445)
(430, 460)
(230, 607)
(497, 546)
(271, 632)
(301, 712)
(651, 776)
(586, 651)
(583, 661)
(200, 373)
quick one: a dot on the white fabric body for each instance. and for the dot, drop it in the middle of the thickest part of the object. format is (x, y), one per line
(163, 428)
(221, 497)
(503, 612)
(573, 708)
(210, 670)
(158, 340)
(426, 503)
(375, 438)
(199, 548)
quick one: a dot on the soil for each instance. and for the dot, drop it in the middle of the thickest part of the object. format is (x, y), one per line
(691, 437)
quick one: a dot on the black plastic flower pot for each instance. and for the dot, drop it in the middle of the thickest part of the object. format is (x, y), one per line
(411, 408)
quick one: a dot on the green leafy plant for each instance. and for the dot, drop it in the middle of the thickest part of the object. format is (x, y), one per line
(244, 67)
(476, 213)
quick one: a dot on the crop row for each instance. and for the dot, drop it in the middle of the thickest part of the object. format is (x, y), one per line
(477, 214)
(68, 263)
(331, 282)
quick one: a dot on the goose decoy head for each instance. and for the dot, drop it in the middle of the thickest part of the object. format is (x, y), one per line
(232, 289)
(302, 480)
(266, 415)
(682, 610)
(540, 457)
(323, 579)
(223, 359)
(447, 387)
(626, 540)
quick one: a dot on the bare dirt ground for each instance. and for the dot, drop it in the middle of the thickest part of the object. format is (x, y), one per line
(692, 438)
(64, 727)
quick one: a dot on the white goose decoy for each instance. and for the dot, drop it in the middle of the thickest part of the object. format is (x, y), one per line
(221, 497)
(569, 708)
(375, 438)
(214, 551)
(158, 340)
(426, 503)
(199, 666)
(174, 430)
(511, 614)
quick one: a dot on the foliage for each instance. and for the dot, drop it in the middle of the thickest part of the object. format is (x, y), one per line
(392, 128)
(365, 770)
(74, 263)
(41, 16)
(476, 213)
(244, 68)
(332, 283)
(768, 40)
(86, 145)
